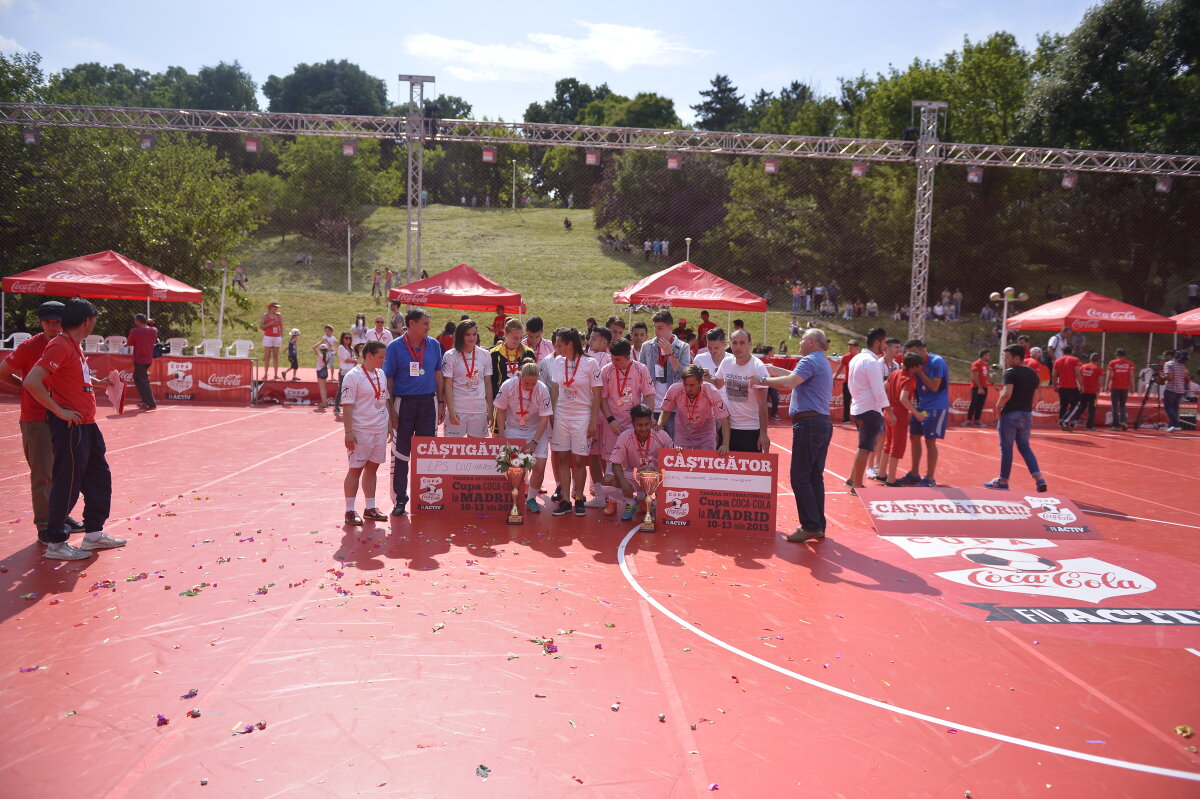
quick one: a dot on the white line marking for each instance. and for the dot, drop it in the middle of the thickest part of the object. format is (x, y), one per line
(1193, 651)
(995, 736)
(1140, 518)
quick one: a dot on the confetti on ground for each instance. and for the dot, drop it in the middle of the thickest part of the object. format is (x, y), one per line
(1184, 731)
(162, 721)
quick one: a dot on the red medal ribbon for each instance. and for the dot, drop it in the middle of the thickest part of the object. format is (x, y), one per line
(643, 452)
(691, 405)
(416, 356)
(471, 370)
(568, 375)
(521, 400)
(621, 384)
(662, 359)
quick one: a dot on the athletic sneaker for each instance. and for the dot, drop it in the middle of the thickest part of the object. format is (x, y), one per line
(925, 482)
(65, 551)
(610, 508)
(894, 484)
(1041, 486)
(532, 506)
(596, 502)
(374, 515)
(881, 478)
(848, 483)
(74, 526)
(873, 472)
(562, 509)
(398, 510)
(353, 518)
(94, 541)
(998, 484)
(557, 495)
(580, 507)
(909, 479)
(627, 514)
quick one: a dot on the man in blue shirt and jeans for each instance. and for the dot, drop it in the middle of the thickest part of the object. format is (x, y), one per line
(811, 384)
(933, 398)
(413, 367)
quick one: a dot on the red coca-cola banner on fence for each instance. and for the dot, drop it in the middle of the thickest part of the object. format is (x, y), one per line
(705, 492)
(202, 380)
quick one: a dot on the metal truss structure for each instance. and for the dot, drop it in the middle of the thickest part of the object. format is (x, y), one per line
(927, 153)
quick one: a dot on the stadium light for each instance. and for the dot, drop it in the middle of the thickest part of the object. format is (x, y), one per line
(1070, 179)
(489, 155)
(975, 174)
(858, 169)
(1008, 296)
(592, 158)
(674, 161)
(771, 166)
(1163, 184)
(251, 144)
(146, 141)
(32, 135)
(349, 147)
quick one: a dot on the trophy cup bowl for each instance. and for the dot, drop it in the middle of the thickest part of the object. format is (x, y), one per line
(516, 478)
(649, 480)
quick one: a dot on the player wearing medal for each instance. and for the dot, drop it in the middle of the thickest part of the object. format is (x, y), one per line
(626, 383)
(413, 366)
(468, 398)
(598, 343)
(636, 448)
(664, 357)
(509, 354)
(746, 404)
(700, 407)
(575, 392)
(523, 410)
(542, 348)
(367, 417)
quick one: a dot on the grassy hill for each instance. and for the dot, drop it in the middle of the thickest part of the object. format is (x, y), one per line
(564, 276)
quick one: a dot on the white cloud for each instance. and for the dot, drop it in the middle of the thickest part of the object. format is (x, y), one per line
(618, 47)
(87, 45)
(8, 45)
(4, 6)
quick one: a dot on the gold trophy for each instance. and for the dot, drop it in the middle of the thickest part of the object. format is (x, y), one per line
(649, 480)
(516, 477)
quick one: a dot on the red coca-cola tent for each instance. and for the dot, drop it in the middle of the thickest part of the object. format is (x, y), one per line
(686, 285)
(462, 288)
(1188, 322)
(1090, 311)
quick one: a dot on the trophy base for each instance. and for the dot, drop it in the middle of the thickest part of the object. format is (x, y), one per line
(517, 519)
(646, 528)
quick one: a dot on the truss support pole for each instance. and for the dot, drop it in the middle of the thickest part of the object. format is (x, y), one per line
(414, 145)
(926, 156)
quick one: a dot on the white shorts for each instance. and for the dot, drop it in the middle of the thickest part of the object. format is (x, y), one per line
(541, 451)
(470, 424)
(570, 435)
(367, 447)
(272, 341)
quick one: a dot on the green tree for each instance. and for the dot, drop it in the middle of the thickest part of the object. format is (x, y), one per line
(21, 78)
(570, 98)
(646, 110)
(334, 87)
(722, 107)
(226, 87)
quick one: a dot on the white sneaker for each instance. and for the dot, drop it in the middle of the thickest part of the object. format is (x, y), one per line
(872, 472)
(64, 551)
(596, 502)
(102, 541)
(1174, 429)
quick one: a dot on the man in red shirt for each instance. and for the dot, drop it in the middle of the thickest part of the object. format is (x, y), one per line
(981, 378)
(1119, 377)
(1089, 386)
(1066, 380)
(498, 326)
(62, 382)
(901, 388)
(35, 434)
(704, 327)
(844, 368)
(142, 339)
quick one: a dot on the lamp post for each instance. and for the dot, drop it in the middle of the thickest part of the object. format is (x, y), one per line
(688, 244)
(514, 188)
(1008, 296)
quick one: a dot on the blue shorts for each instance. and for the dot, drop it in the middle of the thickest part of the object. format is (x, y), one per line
(870, 427)
(933, 426)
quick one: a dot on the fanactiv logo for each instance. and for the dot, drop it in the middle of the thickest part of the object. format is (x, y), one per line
(28, 287)
(676, 506)
(1084, 579)
(81, 278)
(431, 490)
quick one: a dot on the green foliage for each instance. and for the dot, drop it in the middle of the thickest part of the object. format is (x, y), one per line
(225, 87)
(646, 110)
(334, 87)
(642, 199)
(722, 107)
(569, 100)
(21, 78)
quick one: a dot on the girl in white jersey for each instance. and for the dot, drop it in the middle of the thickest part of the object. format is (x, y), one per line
(466, 374)
(575, 391)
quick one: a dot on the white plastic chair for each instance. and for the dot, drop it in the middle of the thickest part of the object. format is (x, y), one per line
(115, 344)
(211, 346)
(93, 343)
(175, 346)
(241, 349)
(16, 339)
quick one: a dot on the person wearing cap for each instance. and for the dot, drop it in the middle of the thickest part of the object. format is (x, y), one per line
(35, 433)
(272, 328)
(293, 355)
(62, 383)
(142, 339)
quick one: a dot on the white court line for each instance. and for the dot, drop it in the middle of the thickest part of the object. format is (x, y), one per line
(1193, 651)
(1140, 518)
(995, 736)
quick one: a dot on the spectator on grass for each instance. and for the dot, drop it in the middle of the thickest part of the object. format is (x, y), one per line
(377, 285)
(783, 347)
(797, 296)
(647, 248)
(872, 308)
(396, 325)
(958, 301)
(239, 277)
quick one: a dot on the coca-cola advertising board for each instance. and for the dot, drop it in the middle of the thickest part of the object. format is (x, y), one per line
(458, 475)
(705, 492)
(950, 511)
(203, 380)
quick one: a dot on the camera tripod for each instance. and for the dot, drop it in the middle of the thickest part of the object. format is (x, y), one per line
(1153, 387)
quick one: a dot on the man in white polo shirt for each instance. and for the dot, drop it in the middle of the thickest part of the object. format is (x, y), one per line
(745, 398)
(868, 401)
(379, 332)
(367, 417)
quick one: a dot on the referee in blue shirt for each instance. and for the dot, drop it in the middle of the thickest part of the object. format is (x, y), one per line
(811, 384)
(413, 366)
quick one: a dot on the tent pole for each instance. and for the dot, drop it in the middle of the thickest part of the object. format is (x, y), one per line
(764, 339)
(1149, 349)
(147, 307)
(203, 329)
(1103, 339)
(2, 336)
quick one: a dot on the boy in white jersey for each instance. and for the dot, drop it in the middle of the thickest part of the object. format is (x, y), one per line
(368, 419)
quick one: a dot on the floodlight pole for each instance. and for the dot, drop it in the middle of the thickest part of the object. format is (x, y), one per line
(926, 155)
(414, 137)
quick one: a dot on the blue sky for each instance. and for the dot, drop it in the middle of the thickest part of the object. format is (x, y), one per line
(502, 57)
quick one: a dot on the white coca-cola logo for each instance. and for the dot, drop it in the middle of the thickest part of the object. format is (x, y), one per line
(1047, 407)
(126, 375)
(711, 293)
(158, 293)
(29, 287)
(1085, 579)
(961, 404)
(81, 278)
(180, 384)
(222, 382)
(1085, 324)
(1092, 312)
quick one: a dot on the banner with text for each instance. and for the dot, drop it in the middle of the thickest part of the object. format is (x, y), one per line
(458, 475)
(706, 492)
(948, 511)
(203, 380)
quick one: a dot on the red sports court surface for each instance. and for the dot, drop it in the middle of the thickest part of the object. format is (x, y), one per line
(396, 662)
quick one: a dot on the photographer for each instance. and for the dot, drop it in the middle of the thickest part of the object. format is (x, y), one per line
(1175, 384)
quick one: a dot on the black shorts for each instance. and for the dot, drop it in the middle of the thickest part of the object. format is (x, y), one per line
(870, 428)
(322, 374)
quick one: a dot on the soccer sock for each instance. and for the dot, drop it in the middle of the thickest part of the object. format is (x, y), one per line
(349, 504)
(370, 503)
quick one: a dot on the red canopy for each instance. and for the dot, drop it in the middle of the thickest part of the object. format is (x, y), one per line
(1188, 321)
(461, 287)
(687, 285)
(1090, 311)
(104, 275)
